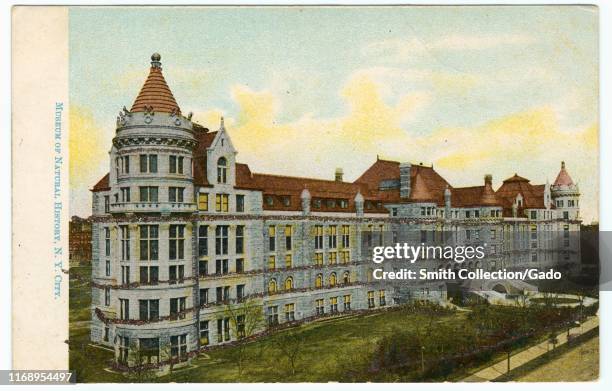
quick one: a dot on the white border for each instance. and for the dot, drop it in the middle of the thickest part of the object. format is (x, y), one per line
(605, 12)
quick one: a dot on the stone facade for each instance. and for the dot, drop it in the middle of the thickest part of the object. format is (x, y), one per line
(181, 231)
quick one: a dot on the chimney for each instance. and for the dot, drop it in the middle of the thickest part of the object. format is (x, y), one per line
(359, 202)
(305, 197)
(404, 180)
(488, 180)
(339, 174)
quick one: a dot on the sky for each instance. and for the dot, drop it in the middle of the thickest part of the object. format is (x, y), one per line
(470, 90)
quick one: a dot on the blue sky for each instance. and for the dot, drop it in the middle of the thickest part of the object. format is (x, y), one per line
(472, 90)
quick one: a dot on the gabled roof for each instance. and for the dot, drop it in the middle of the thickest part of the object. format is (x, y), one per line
(474, 196)
(533, 195)
(155, 92)
(103, 184)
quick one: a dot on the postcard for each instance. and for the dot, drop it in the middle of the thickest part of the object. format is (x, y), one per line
(248, 194)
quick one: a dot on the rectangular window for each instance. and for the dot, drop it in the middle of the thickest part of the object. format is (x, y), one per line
(565, 215)
(106, 204)
(493, 234)
(221, 202)
(125, 242)
(178, 347)
(124, 309)
(107, 245)
(177, 242)
(222, 266)
(108, 268)
(107, 296)
(148, 193)
(347, 302)
(371, 299)
(148, 309)
(381, 298)
(223, 330)
(272, 313)
(271, 238)
(172, 164)
(203, 268)
(203, 296)
(239, 265)
(318, 237)
(221, 239)
(177, 307)
(240, 292)
(333, 258)
(175, 194)
(124, 350)
(332, 241)
(290, 312)
(203, 202)
(204, 336)
(288, 261)
(125, 275)
(534, 214)
(319, 259)
(148, 163)
(149, 242)
(319, 307)
(288, 237)
(176, 274)
(239, 203)
(125, 194)
(271, 262)
(345, 257)
(149, 275)
(106, 333)
(240, 239)
(346, 242)
(333, 305)
(423, 236)
(203, 240)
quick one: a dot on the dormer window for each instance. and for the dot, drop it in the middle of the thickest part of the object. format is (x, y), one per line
(222, 170)
(286, 201)
(269, 201)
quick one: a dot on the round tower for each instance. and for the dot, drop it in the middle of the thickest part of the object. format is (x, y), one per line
(566, 194)
(152, 313)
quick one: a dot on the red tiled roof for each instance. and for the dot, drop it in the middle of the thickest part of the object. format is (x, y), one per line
(533, 195)
(563, 179)
(430, 181)
(103, 184)
(155, 93)
(419, 191)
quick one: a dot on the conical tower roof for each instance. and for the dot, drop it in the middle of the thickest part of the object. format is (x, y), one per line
(563, 179)
(155, 92)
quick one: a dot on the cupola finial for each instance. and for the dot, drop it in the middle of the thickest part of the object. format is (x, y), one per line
(222, 123)
(156, 60)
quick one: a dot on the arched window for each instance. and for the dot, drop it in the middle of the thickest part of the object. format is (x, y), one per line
(289, 283)
(319, 281)
(222, 170)
(346, 278)
(332, 279)
(272, 286)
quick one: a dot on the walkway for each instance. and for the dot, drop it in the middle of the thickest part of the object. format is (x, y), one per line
(500, 368)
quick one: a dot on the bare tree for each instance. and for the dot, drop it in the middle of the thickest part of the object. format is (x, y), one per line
(290, 345)
(246, 318)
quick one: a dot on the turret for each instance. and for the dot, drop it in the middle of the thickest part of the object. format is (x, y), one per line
(566, 195)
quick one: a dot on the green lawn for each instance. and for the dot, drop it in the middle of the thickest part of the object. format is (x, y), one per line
(330, 348)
